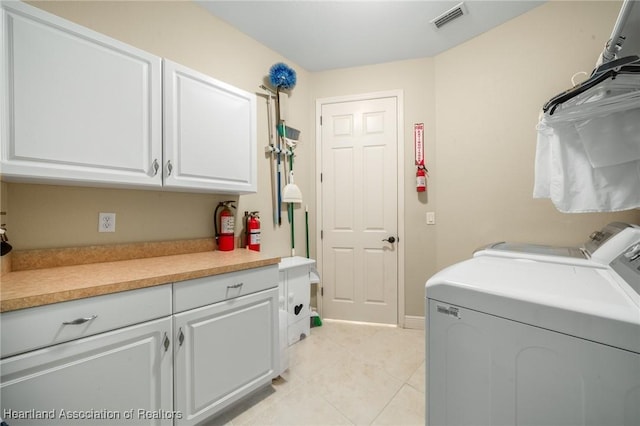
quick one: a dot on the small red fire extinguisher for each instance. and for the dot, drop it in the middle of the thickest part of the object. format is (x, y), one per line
(421, 179)
(253, 231)
(225, 226)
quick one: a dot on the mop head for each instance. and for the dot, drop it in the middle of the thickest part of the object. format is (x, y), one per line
(282, 76)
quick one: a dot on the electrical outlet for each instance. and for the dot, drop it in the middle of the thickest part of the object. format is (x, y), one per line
(106, 222)
(431, 218)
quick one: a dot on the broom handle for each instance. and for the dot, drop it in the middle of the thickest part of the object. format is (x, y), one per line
(306, 225)
(279, 150)
(274, 171)
(293, 235)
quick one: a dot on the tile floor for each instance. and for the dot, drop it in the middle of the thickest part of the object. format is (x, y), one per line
(343, 374)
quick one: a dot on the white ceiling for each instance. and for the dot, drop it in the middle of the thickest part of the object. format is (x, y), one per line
(323, 35)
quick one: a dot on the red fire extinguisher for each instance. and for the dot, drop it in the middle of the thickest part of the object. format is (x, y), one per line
(421, 179)
(225, 226)
(253, 231)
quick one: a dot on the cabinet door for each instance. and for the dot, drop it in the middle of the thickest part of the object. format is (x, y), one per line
(80, 108)
(227, 350)
(209, 133)
(97, 380)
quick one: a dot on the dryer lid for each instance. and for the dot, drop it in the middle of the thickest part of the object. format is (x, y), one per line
(538, 249)
(579, 301)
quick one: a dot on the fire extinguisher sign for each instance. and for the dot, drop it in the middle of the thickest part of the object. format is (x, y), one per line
(418, 139)
(421, 173)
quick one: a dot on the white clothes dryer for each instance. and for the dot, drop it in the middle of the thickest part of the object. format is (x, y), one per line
(599, 249)
(515, 341)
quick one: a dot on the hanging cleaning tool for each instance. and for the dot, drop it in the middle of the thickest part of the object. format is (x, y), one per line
(279, 167)
(225, 226)
(306, 226)
(291, 193)
(281, 76)
(273, 150)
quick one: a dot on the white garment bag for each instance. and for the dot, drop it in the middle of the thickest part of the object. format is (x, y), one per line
(588, 149)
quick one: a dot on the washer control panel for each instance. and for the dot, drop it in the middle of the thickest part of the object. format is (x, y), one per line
(598, 238)
(627, 265)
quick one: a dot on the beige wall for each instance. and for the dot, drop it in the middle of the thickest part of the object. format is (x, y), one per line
(479, 102)
(488, 95)
(57, 216)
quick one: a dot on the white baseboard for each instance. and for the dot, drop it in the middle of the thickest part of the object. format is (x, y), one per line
(413, 322)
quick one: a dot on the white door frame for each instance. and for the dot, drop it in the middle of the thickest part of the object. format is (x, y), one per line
(398, 94)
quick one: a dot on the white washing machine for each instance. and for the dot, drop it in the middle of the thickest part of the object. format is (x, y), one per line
(515, 341)
(598, 251)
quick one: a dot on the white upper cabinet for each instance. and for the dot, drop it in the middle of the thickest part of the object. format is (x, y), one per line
(79, 107)
(209, 133)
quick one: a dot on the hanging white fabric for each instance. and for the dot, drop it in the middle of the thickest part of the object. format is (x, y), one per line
(588, 150)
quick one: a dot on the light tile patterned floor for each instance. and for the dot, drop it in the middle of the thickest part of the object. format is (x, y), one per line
(343, 374)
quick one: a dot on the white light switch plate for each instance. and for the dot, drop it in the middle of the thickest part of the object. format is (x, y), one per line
(431, 218)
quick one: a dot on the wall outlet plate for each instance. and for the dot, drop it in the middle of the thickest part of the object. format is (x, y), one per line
(106, 222)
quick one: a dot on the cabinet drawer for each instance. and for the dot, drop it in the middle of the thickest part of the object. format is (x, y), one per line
(33, 328)
(203, 291)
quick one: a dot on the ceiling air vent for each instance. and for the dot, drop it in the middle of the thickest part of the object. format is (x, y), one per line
(448, 16)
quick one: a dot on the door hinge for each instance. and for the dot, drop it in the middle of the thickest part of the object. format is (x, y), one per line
(321, 291)
(320, 177)
(321, 234)
(321, 120)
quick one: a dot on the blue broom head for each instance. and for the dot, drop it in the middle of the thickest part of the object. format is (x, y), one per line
(282, 76)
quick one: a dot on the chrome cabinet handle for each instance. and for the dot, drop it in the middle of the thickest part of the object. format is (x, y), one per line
(180, 337)
(235, 285)
(79, 321)
(169, 168)
(166, 342)
(155, 167)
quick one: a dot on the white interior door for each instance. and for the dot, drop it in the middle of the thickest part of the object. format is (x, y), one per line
(359, 205)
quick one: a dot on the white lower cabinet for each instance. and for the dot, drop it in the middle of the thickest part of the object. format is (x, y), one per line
(118, 377)
(225, 350)
(167, 355)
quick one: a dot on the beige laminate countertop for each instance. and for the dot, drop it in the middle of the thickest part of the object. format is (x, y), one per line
(30, 288)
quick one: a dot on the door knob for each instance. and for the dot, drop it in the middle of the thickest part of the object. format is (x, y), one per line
(390, 240)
